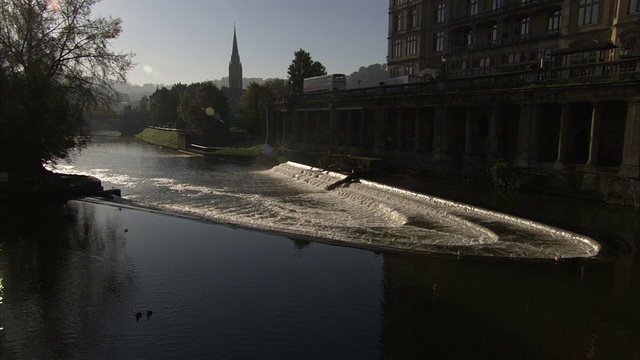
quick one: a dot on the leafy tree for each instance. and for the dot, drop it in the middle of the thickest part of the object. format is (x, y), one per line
(303, 67)
(55, 63)
(279, 86)
(164, 106)
(205, 108)
(254, 105)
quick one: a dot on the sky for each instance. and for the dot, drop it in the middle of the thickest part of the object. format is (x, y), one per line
(189, 41)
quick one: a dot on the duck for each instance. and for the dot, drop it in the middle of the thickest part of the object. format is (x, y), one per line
(138, 316)
(149, 313)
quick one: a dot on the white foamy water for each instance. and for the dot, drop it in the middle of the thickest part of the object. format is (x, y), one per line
(292, 198)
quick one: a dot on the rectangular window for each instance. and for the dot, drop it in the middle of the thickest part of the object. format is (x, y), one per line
(440, 13)
(397, 22)
(412, 45)
(493, 35)
(555, 20)
(473, 7)
(470, 37)
(496, 4)
(523, 26)
(396, 48)
(438, 41)
(634, 6)
(588, 12)
(397, 2)
(413, 18)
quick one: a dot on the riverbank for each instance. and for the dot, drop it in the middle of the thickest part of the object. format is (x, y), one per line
(48, 185)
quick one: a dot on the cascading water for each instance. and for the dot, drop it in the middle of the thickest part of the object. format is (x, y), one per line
(292, 198)
(423, 223)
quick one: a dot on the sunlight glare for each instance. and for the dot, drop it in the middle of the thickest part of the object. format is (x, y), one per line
(53, 5)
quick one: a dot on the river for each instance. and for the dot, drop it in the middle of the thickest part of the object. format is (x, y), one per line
(418, 276)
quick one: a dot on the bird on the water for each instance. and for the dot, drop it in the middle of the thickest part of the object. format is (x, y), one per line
(149, 313)
(138, 316)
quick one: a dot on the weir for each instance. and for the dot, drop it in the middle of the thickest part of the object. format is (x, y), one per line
(292, 198)
(424, 223)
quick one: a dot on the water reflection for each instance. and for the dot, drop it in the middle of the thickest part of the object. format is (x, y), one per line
(453, 309)
(74, 281)
(65, 278)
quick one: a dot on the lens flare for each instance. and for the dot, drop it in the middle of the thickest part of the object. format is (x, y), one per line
(209, 111)
(148, 69)
(53, 5)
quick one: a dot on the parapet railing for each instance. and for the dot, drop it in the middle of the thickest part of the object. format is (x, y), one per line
(623, 70)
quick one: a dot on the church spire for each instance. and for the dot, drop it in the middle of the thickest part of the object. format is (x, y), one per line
(235, 67)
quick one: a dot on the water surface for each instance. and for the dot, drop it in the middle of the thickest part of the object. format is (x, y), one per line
(74, 275)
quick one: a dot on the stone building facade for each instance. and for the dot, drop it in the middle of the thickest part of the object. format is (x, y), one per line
(568, 121)
(477, 37)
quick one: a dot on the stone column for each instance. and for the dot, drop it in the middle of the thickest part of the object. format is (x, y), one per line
(528, 114)
(305, 128)
(468, 133)
(294, 119)
(349, 127)
(596, 129)
(417, 129)
(378, 139)
(287, 130)
(563, 138)
(631, 147)
(362, 124)
(494, 125)
(400, 123)
(333, 127)
(440, 132)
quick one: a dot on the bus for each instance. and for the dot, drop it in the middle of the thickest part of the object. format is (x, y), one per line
(325, 83)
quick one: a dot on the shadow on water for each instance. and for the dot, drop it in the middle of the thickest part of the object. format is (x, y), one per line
(70, 291)
(464, 309)
(61, 274)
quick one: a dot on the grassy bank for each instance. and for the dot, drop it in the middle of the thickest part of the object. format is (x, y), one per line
(164, 138)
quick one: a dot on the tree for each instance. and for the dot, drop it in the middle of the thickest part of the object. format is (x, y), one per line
(164, 106)
(303, 67)
(279, 86)
(205, 108)
(55, 63)
(254, 105)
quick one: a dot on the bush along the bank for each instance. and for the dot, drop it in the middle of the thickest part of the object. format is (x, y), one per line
(503, 175)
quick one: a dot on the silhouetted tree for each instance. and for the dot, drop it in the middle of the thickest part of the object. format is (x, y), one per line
(55, 63)
(205, 108)
(253, 107)
(279, 86)
(303, 67)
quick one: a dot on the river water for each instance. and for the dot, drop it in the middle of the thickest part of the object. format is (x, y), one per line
(466, 283)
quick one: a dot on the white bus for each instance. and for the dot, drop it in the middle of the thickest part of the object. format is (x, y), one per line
(324, 83)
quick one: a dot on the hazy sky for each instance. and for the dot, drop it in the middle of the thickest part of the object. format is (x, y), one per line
(190, 40)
